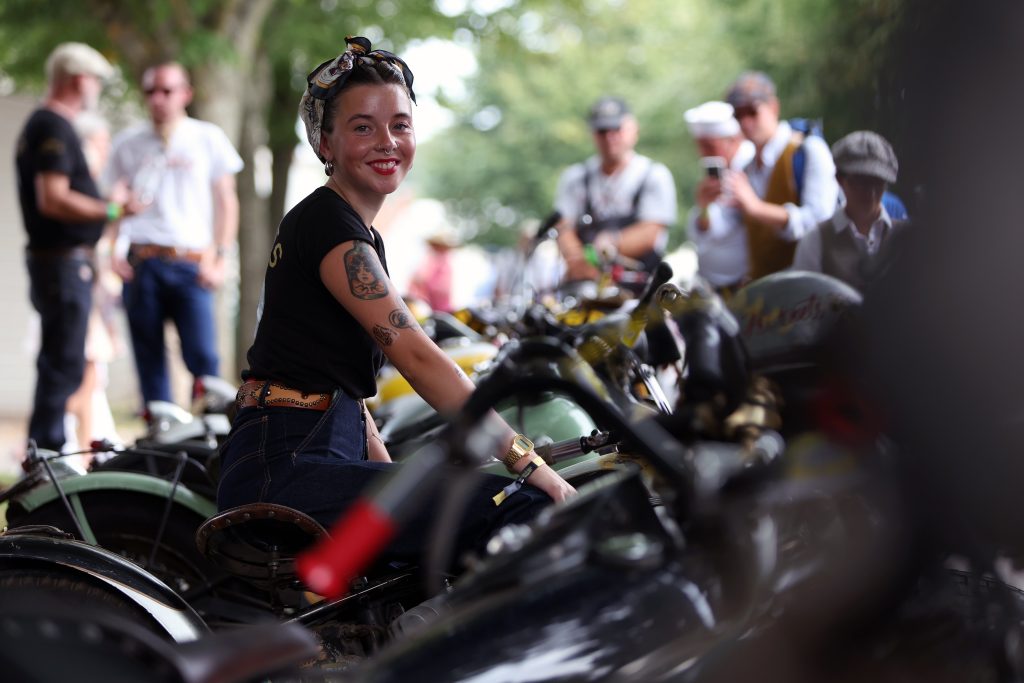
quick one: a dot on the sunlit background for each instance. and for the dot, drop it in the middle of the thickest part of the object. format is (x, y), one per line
(503, 87)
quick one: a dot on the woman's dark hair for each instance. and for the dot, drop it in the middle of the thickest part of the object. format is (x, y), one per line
(377, 73)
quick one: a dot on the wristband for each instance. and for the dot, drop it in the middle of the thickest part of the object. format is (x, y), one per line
(590, 255)
(114, 211)
(535, 463)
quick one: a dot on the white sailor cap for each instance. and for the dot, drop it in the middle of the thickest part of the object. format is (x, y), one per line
(712, 120)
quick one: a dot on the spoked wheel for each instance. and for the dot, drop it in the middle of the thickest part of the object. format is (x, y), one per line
(75, 593)
(61, 627)
(127, 523)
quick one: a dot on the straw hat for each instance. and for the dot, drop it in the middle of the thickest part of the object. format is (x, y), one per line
(444, 237)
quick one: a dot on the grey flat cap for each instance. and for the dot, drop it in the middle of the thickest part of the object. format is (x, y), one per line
(864, 152)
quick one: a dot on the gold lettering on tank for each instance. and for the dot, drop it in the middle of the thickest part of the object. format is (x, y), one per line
(275, 254)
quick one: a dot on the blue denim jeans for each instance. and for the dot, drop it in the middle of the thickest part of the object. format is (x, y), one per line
(316, 462)
(165, 289)
(60, 288)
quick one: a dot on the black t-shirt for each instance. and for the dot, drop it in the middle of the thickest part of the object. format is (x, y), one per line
(306, 339)
(48, 144)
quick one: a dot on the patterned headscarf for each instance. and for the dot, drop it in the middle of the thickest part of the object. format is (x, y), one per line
(325, 81)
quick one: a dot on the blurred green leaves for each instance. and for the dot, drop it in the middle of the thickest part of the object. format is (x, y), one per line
(542, 65)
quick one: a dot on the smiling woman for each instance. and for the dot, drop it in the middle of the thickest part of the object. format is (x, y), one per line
(331, 315)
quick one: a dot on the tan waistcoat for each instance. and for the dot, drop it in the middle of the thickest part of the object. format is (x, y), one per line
(768, 252)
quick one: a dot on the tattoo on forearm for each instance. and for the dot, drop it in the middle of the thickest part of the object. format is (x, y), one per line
(385, 335)
(401, 319)
(366, 277)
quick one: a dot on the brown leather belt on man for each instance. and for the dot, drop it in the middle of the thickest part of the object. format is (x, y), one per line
(261, 393)
(143, 252)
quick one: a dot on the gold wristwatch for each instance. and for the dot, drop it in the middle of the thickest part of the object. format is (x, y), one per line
(520, 447)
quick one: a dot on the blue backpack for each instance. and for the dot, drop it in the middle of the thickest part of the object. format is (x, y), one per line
(808, 127)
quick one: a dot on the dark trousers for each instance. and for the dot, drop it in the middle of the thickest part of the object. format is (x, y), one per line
(165, 289)
(314, 462)
(60, 287)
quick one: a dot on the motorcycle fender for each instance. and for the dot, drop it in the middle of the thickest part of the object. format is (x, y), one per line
(165, 606)
(118, 481)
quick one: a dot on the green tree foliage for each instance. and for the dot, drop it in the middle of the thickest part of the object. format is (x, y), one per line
(248, 58)
(540, 69)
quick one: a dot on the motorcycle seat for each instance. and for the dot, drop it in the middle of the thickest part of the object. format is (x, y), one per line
(258, 542)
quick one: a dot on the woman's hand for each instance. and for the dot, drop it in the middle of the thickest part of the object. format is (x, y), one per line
(550, 482)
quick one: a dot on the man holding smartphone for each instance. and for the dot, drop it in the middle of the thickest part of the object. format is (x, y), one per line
(788, 187)
(714, 224)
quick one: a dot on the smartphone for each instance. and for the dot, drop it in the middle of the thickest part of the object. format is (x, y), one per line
(714, 167)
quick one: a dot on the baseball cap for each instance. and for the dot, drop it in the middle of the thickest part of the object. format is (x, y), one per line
(75, 59)
(607, 113)
(712, 120)
(864, 152)
(751, 87)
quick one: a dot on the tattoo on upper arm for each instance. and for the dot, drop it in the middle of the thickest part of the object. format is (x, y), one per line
(401, 319)
(385, 335)
(366, 277)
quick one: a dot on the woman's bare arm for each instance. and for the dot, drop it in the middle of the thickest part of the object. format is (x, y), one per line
(354, 275)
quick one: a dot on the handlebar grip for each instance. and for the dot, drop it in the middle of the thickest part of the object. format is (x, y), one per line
(549, 222)
(662, 274)
(329, 568)
(638, 317)
(370, 523)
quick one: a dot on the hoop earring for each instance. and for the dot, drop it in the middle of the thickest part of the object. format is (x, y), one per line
(329, 168)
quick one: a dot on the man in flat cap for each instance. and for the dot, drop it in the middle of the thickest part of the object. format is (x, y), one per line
(852, 244)
(714, 224)
(788, 187)
(617, 201)
(64, 214)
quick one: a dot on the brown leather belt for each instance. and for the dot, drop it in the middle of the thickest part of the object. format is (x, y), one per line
(142, 252)
(259, 393)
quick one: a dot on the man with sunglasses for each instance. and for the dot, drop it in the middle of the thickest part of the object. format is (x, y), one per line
(789, 186)
(183, 169)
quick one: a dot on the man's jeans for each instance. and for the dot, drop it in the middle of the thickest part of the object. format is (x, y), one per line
(60, 287)
(168, 289)
(315, 462)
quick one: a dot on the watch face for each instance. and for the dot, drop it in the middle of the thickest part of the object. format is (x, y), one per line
(522, 443)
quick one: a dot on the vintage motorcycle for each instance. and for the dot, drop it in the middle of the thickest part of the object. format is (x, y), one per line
(714, 573)
(750, 568)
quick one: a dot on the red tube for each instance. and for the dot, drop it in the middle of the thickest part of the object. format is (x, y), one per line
(329, 567)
